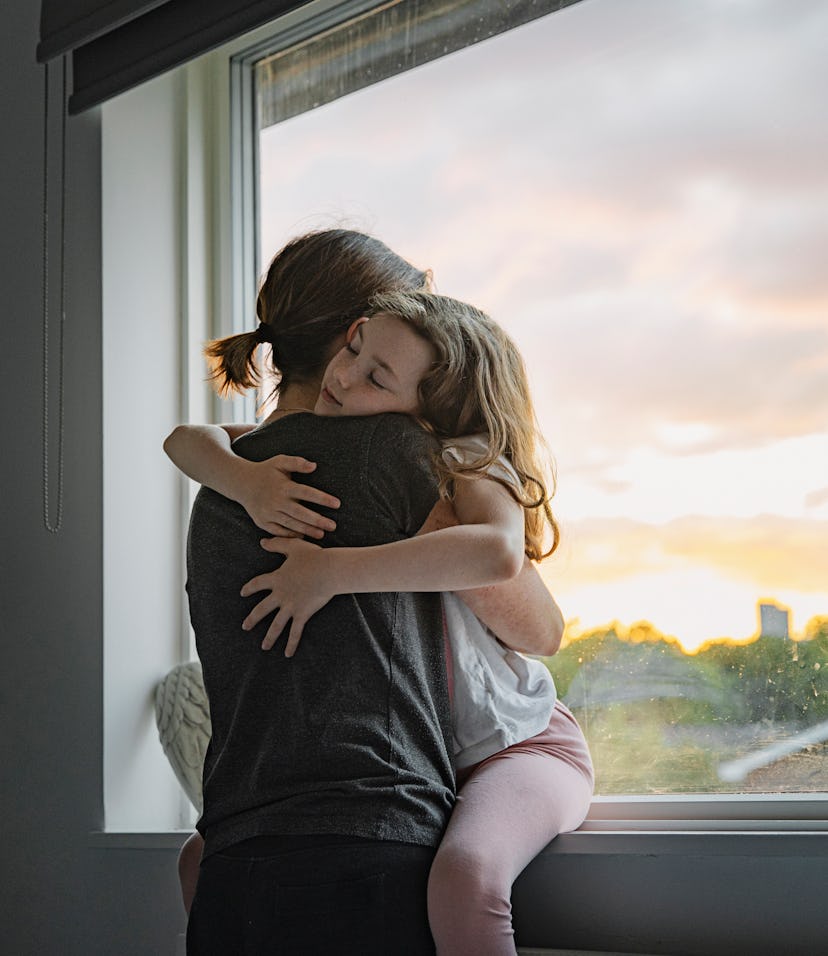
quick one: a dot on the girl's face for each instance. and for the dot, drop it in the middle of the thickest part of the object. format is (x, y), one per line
(379, 370)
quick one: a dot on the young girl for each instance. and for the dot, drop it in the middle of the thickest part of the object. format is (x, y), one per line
(523, 766)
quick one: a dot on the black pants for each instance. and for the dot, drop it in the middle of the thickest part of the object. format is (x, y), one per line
(312, 896)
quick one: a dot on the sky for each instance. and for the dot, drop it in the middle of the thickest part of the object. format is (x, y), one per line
(638, 192)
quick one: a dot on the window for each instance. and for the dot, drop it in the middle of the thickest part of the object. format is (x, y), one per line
(638, 193)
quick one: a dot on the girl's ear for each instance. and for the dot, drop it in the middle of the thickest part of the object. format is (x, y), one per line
(349, 335)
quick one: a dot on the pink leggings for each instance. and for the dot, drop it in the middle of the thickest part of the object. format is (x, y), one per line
(508, 808)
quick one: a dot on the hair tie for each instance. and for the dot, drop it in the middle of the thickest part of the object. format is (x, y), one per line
(265, 333)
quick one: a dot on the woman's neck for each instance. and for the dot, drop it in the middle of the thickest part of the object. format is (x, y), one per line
(299, 397)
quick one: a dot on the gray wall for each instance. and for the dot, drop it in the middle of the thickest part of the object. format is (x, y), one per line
(714, 895)
(59, 895)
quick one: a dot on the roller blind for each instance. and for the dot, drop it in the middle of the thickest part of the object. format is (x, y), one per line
(122, 43)
(68, 24)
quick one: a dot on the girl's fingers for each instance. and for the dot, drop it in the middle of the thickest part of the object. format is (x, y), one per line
(315, 528)
(260, 612)
(298, 512)
(294, 637)
(275, 546)
(288, 527)
(261, 583)
(277, 625)
(293, 463)
(314, 496)
(280, 531)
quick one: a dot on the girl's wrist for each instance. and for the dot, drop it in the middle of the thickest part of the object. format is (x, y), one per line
(240, 473)
(334, 568)
(346, 571)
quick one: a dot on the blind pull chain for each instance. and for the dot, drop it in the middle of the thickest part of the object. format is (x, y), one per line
(53, 527)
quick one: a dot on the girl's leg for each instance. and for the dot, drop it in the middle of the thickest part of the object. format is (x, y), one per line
(189, 860)
(507, 811)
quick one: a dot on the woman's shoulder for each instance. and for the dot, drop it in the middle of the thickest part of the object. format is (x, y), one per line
(385, 441)
(263, 438)
(397, 423)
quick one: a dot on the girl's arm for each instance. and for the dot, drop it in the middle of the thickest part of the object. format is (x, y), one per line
(520, 612)
(266, 489)
(486, 547)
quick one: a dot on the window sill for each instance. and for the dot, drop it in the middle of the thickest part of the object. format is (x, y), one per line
(674, 824)
(738, 813)
(138, 840)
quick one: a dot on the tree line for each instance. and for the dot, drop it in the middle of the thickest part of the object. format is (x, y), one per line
(768, 678)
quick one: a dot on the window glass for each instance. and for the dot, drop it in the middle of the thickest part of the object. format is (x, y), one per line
(638, 192)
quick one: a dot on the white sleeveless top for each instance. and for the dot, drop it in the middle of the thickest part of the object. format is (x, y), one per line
(500, 697)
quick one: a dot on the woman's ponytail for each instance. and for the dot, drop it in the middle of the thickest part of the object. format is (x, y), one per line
(313, 290)
(232, 363)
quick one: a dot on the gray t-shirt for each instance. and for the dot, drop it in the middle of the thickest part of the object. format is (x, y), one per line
(352, 735)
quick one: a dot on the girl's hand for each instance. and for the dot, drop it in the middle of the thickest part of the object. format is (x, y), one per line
(272, 498)
(266, 490)
(297, 590)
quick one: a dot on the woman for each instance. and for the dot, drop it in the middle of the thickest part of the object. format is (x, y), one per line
(320, 824)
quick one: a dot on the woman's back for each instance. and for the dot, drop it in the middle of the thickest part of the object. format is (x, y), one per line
(352, 734)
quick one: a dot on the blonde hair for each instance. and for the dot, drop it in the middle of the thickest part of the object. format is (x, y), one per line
(315, 287)
(478, 384)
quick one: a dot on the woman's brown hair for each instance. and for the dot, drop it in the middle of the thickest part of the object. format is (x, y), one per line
(315, 287)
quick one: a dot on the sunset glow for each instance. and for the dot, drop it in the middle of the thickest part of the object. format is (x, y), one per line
(638, 192)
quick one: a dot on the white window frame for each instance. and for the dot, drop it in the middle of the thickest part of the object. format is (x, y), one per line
(203, 195)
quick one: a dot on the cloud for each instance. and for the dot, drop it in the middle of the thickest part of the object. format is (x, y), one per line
(626, 379)
(638, 191)
(816, 498)
(771, 553)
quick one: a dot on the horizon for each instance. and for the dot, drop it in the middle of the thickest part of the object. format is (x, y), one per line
(632, 633)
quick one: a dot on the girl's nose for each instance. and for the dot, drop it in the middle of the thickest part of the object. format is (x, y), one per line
(341, 376)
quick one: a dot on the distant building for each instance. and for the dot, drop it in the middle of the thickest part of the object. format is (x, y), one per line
(773, 621)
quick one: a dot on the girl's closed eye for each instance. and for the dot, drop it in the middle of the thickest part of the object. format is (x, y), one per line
(378, 370)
